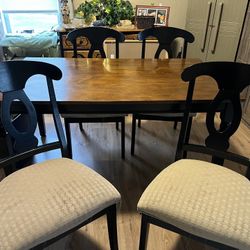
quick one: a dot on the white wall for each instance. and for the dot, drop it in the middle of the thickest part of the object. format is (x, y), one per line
(1, 35)
(178, 9)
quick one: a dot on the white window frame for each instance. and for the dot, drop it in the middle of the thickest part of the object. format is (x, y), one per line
(6, 21)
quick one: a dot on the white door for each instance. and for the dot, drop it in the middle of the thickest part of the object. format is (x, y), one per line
(200, 15)
(226, 29)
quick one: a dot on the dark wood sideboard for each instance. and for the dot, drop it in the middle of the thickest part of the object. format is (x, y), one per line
(66, 48)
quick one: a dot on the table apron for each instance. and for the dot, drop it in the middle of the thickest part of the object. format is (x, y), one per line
(88, 108)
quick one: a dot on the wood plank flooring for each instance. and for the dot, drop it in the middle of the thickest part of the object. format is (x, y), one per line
(99, 148)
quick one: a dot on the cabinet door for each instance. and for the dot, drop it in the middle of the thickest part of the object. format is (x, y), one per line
(200, 14)
(132, 49)
(227, 25)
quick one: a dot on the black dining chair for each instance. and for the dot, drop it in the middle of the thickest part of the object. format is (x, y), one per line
(195, 198)
(43, 202)
(166, 37)
(96, 37)
(40, 117)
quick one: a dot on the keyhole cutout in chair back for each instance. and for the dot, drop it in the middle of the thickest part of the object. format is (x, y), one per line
(220, 126)
(20, 126)
(22, 133)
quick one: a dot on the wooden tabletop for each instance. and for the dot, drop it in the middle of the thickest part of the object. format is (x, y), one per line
(122, 83)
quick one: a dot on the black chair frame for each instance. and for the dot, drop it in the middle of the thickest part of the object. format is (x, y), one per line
(110, 212)
(40, 117)
(231, 78)
(165, 37)
(147, 220)
(13, 77)
(96, 37)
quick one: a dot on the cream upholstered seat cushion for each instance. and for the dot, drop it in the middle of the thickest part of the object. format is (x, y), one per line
(201, 198)
(46, 199)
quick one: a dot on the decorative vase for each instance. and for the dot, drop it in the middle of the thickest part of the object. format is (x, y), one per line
(99, 23)
(65, 11)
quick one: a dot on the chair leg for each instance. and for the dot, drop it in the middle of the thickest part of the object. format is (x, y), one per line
(123, 137)
(41, 124)
(187, 135)
(139, 123)
(8, 145)
(175, 124)
(117, 125)
(68, 137)
(80, 126)
(133, 135)
(112, 227)
(144, 233)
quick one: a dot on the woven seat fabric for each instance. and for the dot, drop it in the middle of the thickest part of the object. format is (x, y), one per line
(201, 198)
(46, 199)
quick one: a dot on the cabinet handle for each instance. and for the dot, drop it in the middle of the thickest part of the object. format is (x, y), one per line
(204, 37)
(217, 29)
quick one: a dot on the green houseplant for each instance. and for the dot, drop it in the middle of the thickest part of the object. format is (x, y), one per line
(110, 12)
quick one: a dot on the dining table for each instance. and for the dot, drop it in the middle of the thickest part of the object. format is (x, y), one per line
(95, 85)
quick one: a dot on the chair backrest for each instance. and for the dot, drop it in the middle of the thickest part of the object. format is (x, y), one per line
(165, 37)
(231, 78)
(13, 78)
(96, 37)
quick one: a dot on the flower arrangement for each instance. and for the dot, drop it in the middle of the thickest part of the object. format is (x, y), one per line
(110, 12)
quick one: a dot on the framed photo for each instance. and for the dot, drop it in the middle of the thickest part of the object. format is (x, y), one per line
(160, 13)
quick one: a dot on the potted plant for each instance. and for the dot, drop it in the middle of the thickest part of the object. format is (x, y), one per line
(110, 12)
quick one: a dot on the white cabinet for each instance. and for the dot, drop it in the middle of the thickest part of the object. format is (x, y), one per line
(216, 25)
(132, 49)
(243, 56)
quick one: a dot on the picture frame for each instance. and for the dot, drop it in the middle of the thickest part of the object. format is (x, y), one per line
(161, 13)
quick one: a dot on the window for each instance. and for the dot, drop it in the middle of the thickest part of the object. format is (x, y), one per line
(29, 16)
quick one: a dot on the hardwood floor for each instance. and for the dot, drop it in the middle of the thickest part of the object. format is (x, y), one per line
(99, 148)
